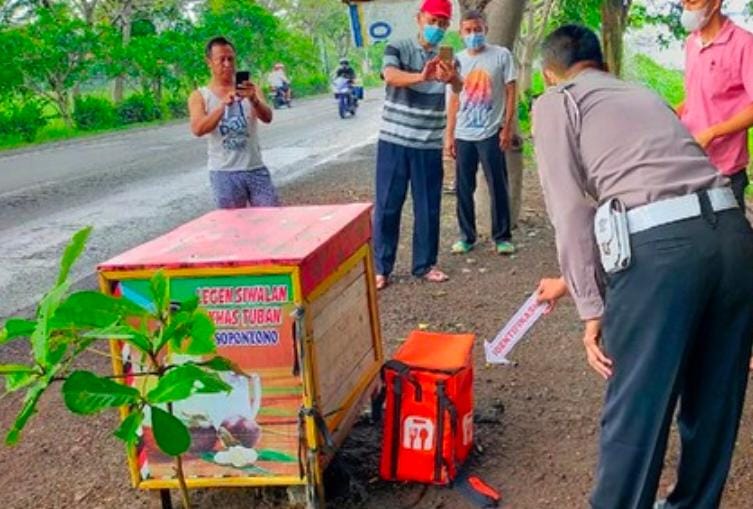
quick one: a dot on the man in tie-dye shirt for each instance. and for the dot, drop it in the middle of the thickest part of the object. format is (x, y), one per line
(479, 129)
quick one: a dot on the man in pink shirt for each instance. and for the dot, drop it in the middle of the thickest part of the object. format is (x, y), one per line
(718, 106)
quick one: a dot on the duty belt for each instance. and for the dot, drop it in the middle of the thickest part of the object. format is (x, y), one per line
(672, 210)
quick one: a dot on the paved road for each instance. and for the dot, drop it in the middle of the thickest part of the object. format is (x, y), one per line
(138, 184)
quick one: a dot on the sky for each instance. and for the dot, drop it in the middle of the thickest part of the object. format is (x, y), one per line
(644, 41)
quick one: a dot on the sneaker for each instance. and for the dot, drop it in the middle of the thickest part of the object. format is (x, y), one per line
(505, 248)
(461, 247)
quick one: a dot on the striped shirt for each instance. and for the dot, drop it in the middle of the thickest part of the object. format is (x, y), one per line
(413, 116)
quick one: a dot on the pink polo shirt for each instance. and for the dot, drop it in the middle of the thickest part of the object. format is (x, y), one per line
(718, 85)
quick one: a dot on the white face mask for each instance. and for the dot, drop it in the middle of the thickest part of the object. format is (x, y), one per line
(695, 20)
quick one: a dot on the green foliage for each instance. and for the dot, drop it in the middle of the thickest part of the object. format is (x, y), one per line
(65, 326)
(183, 381)
(60, 49)
(128, 430)
(85, 393)
(138, 108)
(22, 119)
(662, 13)
(170, 433)
(582, 12)
(52, 55)
(91, 112)
(667, 83)
(177, 106)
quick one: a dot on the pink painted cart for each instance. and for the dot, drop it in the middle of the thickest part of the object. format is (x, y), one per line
(292, 295)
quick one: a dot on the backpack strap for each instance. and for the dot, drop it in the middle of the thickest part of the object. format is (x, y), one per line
(476, 490)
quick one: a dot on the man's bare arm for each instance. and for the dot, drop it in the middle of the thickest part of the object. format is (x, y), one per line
(201, 121)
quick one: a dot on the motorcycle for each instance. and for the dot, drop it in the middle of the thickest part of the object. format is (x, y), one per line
(345, 93)
(279, 99)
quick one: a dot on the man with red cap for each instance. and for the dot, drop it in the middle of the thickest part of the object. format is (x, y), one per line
(411, 141)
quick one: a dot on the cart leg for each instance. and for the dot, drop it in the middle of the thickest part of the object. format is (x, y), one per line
(167, 501)
(296, 497)
(314, 497)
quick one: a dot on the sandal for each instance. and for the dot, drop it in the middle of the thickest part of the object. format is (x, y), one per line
(382, 282)
(435, 276)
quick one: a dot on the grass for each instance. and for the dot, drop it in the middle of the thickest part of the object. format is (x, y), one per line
(668, 83)
(56, 130)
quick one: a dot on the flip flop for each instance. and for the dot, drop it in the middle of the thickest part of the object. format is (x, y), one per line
(435, 276)
(382, 282)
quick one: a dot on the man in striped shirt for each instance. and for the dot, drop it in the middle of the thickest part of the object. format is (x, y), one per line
(410, 143)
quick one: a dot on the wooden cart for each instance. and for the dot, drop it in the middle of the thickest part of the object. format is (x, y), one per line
(291, 293)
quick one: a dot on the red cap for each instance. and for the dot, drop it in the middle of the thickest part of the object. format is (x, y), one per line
(440, 8)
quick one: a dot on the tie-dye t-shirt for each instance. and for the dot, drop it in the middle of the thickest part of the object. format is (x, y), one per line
(482, 101)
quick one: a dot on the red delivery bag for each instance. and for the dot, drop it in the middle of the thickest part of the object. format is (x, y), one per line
(428, 420)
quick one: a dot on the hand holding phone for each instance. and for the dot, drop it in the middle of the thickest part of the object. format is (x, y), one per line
(446, 54)
(241, 77)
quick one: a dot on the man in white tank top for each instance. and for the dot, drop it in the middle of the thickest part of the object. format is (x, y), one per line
(229, 113)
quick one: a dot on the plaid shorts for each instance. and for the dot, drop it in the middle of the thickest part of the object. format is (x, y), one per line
(246, 188)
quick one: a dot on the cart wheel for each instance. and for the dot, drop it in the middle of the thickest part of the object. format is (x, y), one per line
(167, 501)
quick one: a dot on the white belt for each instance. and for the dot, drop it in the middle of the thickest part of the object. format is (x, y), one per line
(676, 209)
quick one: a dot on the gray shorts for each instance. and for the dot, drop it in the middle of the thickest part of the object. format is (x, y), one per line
(246, 188)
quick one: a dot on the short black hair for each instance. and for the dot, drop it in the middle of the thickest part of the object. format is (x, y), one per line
(216, 41)
(569, 45)
(473, 14)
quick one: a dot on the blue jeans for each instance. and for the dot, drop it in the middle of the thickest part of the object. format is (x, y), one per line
(397, 166)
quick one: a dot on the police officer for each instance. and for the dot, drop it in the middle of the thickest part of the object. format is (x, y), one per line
(676, 320)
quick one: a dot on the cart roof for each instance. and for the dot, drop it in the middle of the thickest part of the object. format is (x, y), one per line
(325, 235)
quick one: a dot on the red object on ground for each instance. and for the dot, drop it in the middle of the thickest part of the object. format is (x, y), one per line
(428, 424)
(441, 8)
(318, 239)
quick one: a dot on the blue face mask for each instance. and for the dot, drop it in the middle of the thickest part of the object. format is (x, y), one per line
(475, 41)
(433, 35)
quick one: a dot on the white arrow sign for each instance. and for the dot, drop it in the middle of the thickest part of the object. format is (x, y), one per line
(511, 334)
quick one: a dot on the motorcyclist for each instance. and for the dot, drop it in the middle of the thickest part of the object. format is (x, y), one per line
(277, 79)
(346, 71)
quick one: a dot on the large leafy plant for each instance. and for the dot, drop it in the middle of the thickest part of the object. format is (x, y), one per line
(67, 324)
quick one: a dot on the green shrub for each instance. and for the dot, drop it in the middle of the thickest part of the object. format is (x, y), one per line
(309, 85)
(23, 120)
(177, 106)
(91, 112)
(668, 83)
(138, 108)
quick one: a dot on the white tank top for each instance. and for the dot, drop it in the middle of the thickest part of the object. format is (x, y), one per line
(234, 143)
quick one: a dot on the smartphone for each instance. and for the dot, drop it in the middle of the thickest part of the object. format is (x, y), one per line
(240, 77)
(446, 54)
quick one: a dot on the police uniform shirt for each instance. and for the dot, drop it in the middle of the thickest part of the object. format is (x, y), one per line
(598, 138)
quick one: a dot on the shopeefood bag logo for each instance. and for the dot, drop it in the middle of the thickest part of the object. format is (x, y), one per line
(418, 434)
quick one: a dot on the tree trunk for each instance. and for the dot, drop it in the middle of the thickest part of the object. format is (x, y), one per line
(117, 94)
(613, 24)
(504, 18)
(158, 90)
(63, 103)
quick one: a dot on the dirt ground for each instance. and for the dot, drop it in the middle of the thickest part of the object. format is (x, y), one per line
(536, 423)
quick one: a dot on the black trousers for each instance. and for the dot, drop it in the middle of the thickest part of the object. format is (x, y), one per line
(678, 325)
(738, 182)
(492, 158)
